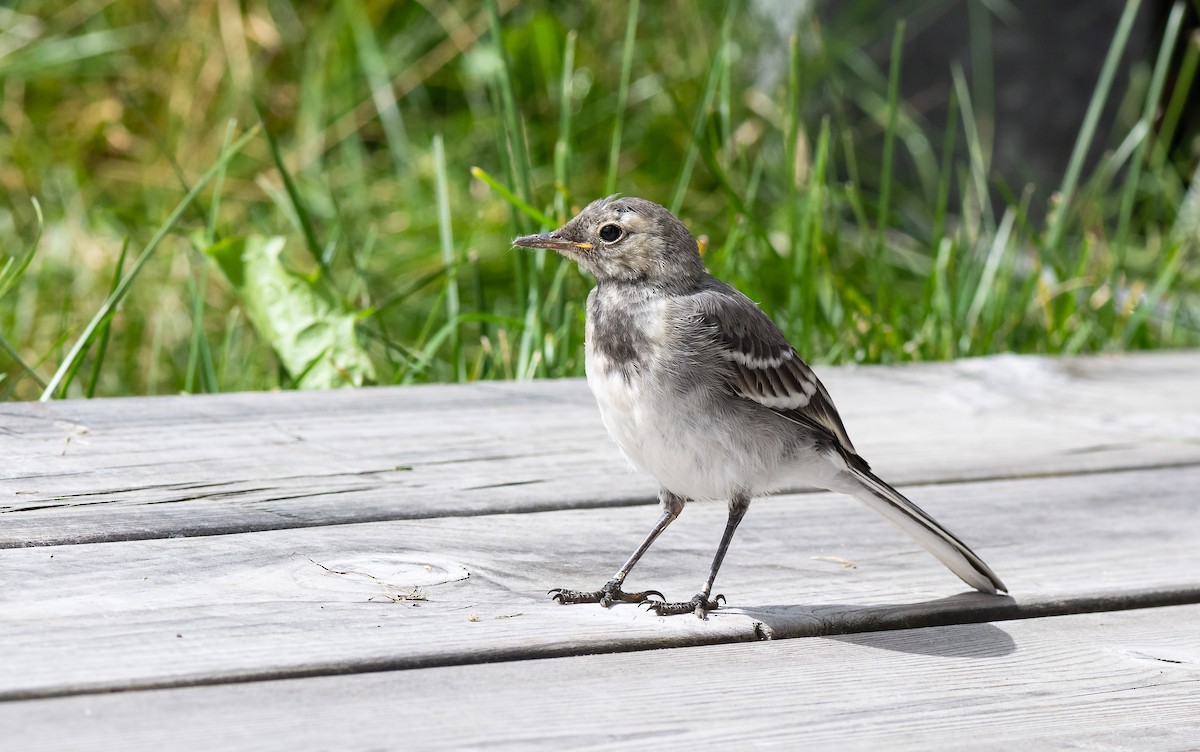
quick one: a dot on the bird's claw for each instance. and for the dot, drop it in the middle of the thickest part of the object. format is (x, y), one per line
(606, 596)
(699, 605)
(563, 596)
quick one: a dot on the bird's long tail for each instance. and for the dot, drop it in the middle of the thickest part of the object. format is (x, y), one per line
(936, 539)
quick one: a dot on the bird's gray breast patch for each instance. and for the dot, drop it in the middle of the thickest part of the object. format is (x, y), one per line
(617, 336)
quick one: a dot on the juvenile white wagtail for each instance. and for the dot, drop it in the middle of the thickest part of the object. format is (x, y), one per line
(700, 389)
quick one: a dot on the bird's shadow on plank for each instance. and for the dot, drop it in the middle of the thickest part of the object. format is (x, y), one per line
(900, 627)
(960, 641)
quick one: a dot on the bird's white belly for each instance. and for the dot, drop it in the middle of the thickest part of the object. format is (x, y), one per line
(679, 441)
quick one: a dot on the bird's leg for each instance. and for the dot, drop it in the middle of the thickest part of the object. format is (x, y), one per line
(701, 604)
(672, 505)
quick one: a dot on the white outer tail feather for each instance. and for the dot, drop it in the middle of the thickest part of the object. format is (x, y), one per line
(925, 530)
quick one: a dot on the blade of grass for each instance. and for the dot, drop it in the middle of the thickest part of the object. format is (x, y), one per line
(508, 108)
(429, 345)
(1150, 300)
(801, 290)
(525, 266)
(525, 269)
(983, 290)
(1158, 80)
(210, 229)
(1187, 220)
(562, 145)
(295, 381)
(982, 80)
(199, 353)
(947, 170)
(86, 338)
(233, 331)
(878, 271)
(412, 288)
(293, 194)
(449, 257)
(614, 149)
(554, 305)
(907, 130)
(941, 306)
(977, 219)
(791, 141)
(889, 142)
(558, 345)
(1185, 74)
(195, 290)
(725, 108)
(1091, 119)
(14, 270)
(816, 242)
(370, 60)
(512, 199)
(1005, 306)
(39, 59)
(739, 201)
(63, 336)
(701, 116)
(89, 390)
(16, 358)
(1112, 162)
(208, 368)
(537, 307)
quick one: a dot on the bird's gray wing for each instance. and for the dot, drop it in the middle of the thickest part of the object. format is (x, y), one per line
(766, 369)
(765, 366)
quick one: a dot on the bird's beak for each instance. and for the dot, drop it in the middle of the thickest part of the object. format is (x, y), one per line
(552, 241)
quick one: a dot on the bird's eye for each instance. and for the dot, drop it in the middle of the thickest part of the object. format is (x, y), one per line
(610, 233)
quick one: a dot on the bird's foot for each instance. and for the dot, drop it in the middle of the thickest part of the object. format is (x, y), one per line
(700, 605)
(606, 596)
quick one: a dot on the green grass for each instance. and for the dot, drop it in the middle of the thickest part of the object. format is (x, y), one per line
(395, 149)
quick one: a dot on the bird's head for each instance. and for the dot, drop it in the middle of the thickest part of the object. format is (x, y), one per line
(626, 240)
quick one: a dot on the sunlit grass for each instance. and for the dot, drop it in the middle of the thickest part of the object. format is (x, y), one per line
(398, 148)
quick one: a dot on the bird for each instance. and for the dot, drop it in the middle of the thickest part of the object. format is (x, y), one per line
(699, 388)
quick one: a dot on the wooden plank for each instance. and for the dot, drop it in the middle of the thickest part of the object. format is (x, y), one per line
(80, 471)
(97, 617)
(1127, 680)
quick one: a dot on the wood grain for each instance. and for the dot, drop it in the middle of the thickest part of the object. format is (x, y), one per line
(270, 604)
(107, 470)
(368, 569)
(1115, 681)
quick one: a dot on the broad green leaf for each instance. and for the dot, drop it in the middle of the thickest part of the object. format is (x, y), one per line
(303, 323)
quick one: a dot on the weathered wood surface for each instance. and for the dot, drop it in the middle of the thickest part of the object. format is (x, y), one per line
(210, 609)
(1126, 680)
(142, 468)
(178, 550)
